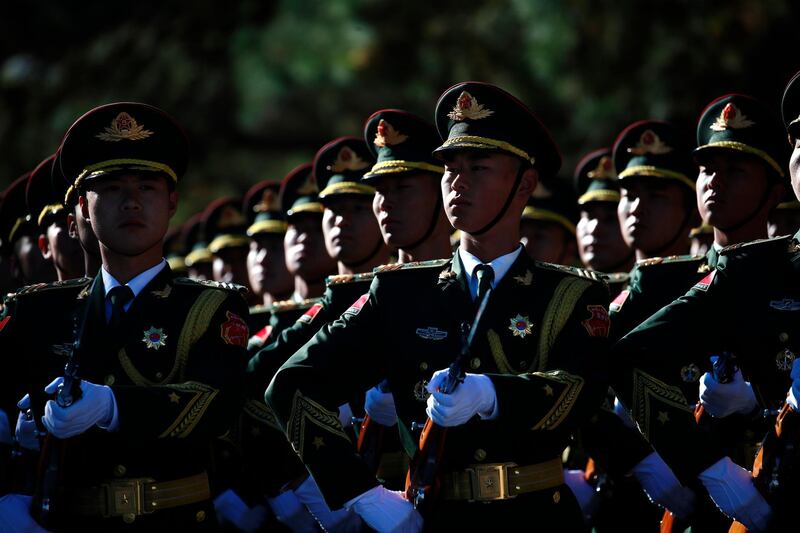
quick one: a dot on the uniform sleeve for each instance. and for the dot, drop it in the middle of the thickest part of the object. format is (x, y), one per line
(571, 379)
(647, 365)
(342, 359)
(201, 404)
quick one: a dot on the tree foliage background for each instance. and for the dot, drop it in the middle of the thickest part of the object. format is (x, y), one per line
(260, 85)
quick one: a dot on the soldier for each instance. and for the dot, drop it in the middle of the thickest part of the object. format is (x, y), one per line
(161, 359)
(494, 151)
(785, 218)
(20, 238)
(48, 212)
(175, 251)
(199, 260)
(548, 224)
(726, 312)
(224, 226)
(600, 243)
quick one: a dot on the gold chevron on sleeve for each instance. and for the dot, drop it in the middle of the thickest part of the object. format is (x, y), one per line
(194, 409)
(305, 410)
(261, 412)
(566, 400)
(646, 390)
(562, 303)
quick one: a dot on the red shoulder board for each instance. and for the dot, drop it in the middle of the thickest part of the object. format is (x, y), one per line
(705, 283)
(597, 324)
(309, 315)
(234, 330)
(4, 322)
(356, 307)
(618, 302)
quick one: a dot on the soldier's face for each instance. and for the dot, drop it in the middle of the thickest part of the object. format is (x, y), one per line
(230, 265)
(304, 246)
(404, 207)
(266, 265)
(129, 213)
(794, 167)
(600, 242)
(475, 187)
(547, 241)
(350, 229)
(65, 250)
(79, 228)
(651, 212)
(730, 188)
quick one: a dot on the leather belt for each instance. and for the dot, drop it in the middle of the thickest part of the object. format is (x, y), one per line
(501, 481)
(137, 496)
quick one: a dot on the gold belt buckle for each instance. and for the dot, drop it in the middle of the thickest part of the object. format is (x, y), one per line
(126, 497)
(490, 482)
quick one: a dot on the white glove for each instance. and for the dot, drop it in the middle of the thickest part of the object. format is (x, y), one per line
(232, 510)
(5, 429)
(339, 521)
(291, 512)
(386, 511)
(15, 515)
(732, 489)
(584, 492)
(475, 396)
(794, 391)
(96, 407)
(26, 432)
(723, 399)
(380, 407)
(662, 487)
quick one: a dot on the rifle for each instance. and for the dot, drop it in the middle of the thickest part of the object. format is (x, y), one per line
(51, 460)
(423, 481)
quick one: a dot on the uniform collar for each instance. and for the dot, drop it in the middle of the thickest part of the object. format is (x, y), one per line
(500, 265)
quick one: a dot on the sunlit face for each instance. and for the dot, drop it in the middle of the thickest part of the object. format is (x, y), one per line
(651, 212)
(475, 186)
(546, 241)
(304, 245)
(129, 213)
(350, 228)
(404, 206)
(230, 265)
(64, 249)
(600, 243)
(730, 187)
(266, 265)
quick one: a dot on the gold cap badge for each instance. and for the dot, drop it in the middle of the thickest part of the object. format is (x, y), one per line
(467, 107)
(650, 143)
(124, 127)
(269, 202)
(732, 118)
(308, 187)
(603, 170)
(229, 217)
(387, 135)
(347, 159)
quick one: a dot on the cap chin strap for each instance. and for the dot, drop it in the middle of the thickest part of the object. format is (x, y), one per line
(373, 253)
(437, 209)
(495, 220)
(753, 214)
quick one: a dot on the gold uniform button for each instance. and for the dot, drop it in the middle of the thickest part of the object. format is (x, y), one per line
(556, 497)
(120, 470)
(523, 364)
(200, 516)
(159, 375)
(480, 454)
(475, 363)
(783, 337)
(128, 518)
(109, 380)
(423, 366)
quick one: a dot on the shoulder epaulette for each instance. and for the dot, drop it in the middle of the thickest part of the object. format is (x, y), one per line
(212, 284)
(617, 277)
(670, 259)
(573, 271)
(785, 242)
(40, 287)
(415, 265)
(259, 310)
(291, 305)
(342, 279)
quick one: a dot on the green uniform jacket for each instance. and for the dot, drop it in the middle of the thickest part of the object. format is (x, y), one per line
(749, 305)
(176, 367)
(542, 342)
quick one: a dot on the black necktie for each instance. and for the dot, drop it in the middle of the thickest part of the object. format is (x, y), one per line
(485, 275)
(119, 296)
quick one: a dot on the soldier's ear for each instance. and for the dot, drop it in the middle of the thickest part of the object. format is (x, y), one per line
(172, 203)
(72, 226)
(84, 206)
(528, 183)
(44, 247)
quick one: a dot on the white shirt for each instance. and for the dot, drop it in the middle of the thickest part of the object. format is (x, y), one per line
(500, 265)
(137, 284)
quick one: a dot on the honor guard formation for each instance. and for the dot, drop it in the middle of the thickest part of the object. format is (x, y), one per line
(425, 327)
